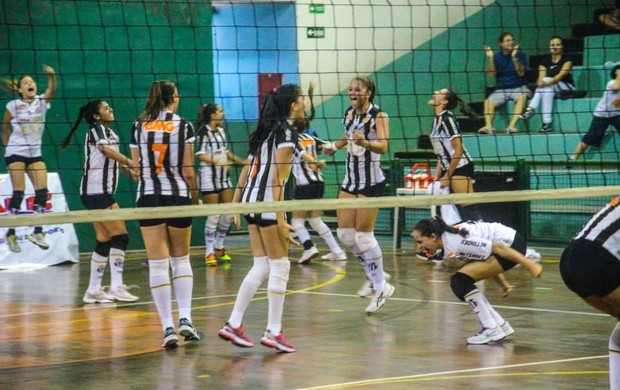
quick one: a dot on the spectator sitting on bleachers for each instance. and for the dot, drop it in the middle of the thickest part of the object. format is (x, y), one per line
(554, 75)
(606, 113)
(508, 66)
(611, 18)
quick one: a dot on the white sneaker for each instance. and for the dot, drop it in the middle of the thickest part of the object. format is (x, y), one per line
(308, 255)
(122, 294)
(340, 256)
(170, 338)
(486, 336)
(98, 297)
(39, 240)
(507, 329)
(529, 112)
(366, 290)
(379, 298)
(11, 241)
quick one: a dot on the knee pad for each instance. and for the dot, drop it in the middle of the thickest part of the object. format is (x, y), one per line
(181, 267)
(614, 339)
(298, 223)
(103, 248)
(318, 225)
(259, 272)
(346, 236)
(278, 275)
(120, 241)
(462, 285)
(365, 241)
(40, 199)
(211, 224)
(16, 201)
(159, 273)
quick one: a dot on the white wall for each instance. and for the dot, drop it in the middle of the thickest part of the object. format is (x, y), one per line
(362, 36)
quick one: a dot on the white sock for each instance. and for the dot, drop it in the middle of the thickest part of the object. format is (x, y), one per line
(117, 261)
(300, 230)
(183, 283)
(257, 275)
(373, 264)
(97, 269)
(479, 304)
(159, 281)
(276, 288)
(614, 358)
(222, 230)
(210, 228)
(323, 230)
(499, 320)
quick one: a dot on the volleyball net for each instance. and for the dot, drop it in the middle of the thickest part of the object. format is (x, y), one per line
(233, 52)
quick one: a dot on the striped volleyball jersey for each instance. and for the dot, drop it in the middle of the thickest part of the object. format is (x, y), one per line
(478, 244)
(161, 143)
(100, 172)
(445, 129)
(604, 228)
(259, 183)
(213, 144)
(303, 172)
(363, 167)
(26, 127)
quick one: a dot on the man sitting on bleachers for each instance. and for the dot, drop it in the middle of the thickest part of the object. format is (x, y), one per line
(508, 66)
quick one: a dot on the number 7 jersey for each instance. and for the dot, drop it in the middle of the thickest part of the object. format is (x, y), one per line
(161, 143)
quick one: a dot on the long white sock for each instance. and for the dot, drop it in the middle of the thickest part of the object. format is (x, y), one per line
(97, 269)
(222, 230)
(210, 228)
(479, 304)
(373, 264)
(499, 320)
(255, 277)
(326, 234)
(117, 261)
(300, 229)
(183, 283)
(276, 288)
(614, 358)
(159, 281)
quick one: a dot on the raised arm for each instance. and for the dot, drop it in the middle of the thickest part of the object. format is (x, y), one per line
(51, 83)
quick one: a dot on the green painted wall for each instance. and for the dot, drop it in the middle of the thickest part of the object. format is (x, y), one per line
(106, 50)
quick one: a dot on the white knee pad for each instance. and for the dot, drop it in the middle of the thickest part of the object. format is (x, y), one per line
(159, 273)
(278, 275)
(259, 272)
(365, 241)
(346, 236)
(181, 267)
(211, 224)
(318, 225)
(298, 223)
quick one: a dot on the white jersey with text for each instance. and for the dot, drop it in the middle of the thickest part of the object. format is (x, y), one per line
(477, 245)
(100, 172)
(303, 172)
(604, 228)
(161, 143)
(259, 183)
(26, 127)
(363, 167)
(213, 144)
(445, 129)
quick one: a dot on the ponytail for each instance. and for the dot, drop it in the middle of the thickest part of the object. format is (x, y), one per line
(204, 115)
(455, 101)
(437, 226)
(87, 112)
(161, 95)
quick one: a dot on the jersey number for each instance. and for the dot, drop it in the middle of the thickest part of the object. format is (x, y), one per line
(160, 153)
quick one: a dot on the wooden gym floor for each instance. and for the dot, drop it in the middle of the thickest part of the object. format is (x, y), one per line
(50, 340)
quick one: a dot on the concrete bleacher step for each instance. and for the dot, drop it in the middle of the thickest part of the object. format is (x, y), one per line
(601, 49)
(589, 29)
(592, 78)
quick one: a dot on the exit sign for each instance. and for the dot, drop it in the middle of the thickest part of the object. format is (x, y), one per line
(315, 32)
(317, 8)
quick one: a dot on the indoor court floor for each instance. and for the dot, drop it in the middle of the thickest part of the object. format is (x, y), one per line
(416, 341)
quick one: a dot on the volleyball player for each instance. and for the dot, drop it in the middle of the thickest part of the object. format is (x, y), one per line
(309, 184)
(99, 181)
(215, 163)
(366, 137)
(590, 267)
(162, 143)
(492, 249)
(270, 159)
(22, 131)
